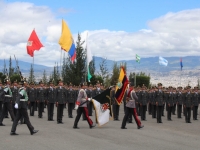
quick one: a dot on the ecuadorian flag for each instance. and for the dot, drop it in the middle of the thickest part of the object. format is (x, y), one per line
(66, 40)
(121, 86)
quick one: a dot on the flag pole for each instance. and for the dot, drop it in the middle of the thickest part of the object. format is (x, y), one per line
(86, 68)
(60, 62)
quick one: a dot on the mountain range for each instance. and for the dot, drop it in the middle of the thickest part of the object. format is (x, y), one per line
(150, 65)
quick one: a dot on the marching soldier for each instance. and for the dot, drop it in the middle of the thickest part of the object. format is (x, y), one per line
(61, 96)
(179, 102)
(138, 93)
(81, 106)
(187, 105)
(21, 106)
(143, 102)
(32, 95)
(15, 92)
(51, 92)
(130, 108)
(41, 95)
(71, 98)
(159, 95)
(153, 103)
(195, 103)
(7, 94)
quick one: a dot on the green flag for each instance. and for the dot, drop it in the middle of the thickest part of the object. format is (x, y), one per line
(137, 58)
(89, 75)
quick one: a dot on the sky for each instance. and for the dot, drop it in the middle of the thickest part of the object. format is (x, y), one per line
(117, 29)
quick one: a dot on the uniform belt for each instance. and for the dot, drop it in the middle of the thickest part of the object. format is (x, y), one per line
(22, 100)
(7, 96)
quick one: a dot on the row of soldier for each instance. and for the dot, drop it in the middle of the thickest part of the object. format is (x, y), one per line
(156, 99)
(42, 95)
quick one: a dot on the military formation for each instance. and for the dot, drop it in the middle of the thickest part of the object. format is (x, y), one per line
(139, 102)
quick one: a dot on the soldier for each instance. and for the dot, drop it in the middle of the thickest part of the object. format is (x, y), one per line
(21, 106)
(90, 94)
(138, 93)
(175, 100)
(188, 104)
(81, 106)
(7, 94)
(179, 102)
(61, 96)
(51, 93)
(1, 97)
(15, 92)
(143, 102)
(71, 98)
(153, 103)
(159, 95)
(195, 101)
(130, 108)
(169, 103)
(41, 95)
(32, 95)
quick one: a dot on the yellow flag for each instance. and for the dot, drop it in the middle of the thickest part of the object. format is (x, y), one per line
(66, 37)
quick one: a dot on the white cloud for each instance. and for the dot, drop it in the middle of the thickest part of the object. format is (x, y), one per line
(174, 34)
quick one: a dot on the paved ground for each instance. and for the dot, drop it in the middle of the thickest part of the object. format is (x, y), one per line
(171, 135)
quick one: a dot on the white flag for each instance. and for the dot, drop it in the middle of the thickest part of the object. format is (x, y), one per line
(163, 61)
(102, 112)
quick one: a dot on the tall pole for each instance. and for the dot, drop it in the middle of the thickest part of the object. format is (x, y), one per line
(60, 62)
(135, 77)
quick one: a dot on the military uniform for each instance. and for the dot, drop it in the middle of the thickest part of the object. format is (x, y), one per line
(21, 103)
(82, 103)
(1, 98)
(153, 103)
(15, 92)
(187, 105)
(71, 98)
(180, 99)
(61, 100)
(51, 98)
(138, 93)
(159, 95)
(195, 101)
(41, 95)
(175, 100)
(143, 104)
(131, 109)
(7, 94)
(32, 94)
(170, 103)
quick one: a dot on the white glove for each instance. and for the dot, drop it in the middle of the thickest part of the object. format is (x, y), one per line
(16, 106)
(89, 99)
(76, 107)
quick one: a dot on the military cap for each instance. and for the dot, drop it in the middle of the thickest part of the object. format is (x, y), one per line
(159, 84)
(188, 87)
(60, 80)
(98, 82)
(70, 84)
(32, 83)
(91, 85)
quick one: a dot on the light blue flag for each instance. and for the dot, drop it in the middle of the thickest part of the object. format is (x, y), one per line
(163, 61)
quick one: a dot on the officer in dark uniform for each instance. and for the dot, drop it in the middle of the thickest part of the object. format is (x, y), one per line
(90, 94)
(114, 103)
(175, 99)
(195, 100)
(71, 98)
(21, 106)
(15, 92)
(188, 104)
(32, 95)
(143, 102)
(61, 100)
(169, 103)
(153, 103)
(138, 93)
(1, 97)
(180, 99)
(51, 93)
(159, 95)
(41, 95)
(7, 94)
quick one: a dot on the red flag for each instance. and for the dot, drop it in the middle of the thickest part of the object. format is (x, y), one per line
(33, 43)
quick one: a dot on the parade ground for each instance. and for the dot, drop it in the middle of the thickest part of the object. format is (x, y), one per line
(170, 135)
